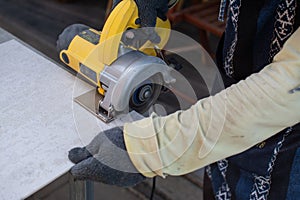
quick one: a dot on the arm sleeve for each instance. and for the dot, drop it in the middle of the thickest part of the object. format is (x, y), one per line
(222, 125)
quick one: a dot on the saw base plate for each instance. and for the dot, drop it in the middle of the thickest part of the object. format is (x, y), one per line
(90, 101)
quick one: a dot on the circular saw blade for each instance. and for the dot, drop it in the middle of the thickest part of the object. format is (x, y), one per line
(145, 95)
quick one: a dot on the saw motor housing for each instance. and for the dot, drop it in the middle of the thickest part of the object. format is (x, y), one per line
(125, 76)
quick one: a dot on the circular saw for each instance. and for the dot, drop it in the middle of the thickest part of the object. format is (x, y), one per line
(127, 70)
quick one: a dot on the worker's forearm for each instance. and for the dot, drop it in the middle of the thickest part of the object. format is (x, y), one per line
(222, 125)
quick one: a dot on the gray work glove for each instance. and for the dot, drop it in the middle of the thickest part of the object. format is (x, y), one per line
(105, 160)
(149, 10)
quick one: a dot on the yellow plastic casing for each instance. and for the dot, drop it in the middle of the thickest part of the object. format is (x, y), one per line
(96, 56)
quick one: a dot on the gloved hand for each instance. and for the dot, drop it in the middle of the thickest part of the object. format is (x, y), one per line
(105, 160)
(149, 10)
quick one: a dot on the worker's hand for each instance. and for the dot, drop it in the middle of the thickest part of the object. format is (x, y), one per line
(105, 160)
(149, 10)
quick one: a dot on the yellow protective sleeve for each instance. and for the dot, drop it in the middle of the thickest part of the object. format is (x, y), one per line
(222, 125)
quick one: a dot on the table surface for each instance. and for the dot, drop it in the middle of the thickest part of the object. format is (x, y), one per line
(39, 121)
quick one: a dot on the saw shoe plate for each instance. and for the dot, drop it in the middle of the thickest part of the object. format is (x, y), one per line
(90, 101)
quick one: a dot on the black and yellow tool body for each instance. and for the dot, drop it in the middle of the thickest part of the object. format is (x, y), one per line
(105, 60)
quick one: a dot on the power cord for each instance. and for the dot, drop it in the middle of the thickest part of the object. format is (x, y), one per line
(153, 188)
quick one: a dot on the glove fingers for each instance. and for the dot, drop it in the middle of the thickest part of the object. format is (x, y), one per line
(105, 160)
(78, 154)
(86, 169)
(94, 170)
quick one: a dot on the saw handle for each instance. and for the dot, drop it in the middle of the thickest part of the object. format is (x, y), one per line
(125, 16)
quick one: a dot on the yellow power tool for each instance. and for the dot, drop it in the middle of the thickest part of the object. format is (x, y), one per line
(126, 75)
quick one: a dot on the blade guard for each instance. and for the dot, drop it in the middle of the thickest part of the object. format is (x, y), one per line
(134, 76)
(141, 67)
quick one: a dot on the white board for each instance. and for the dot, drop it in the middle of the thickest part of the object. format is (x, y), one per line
(39, 122)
